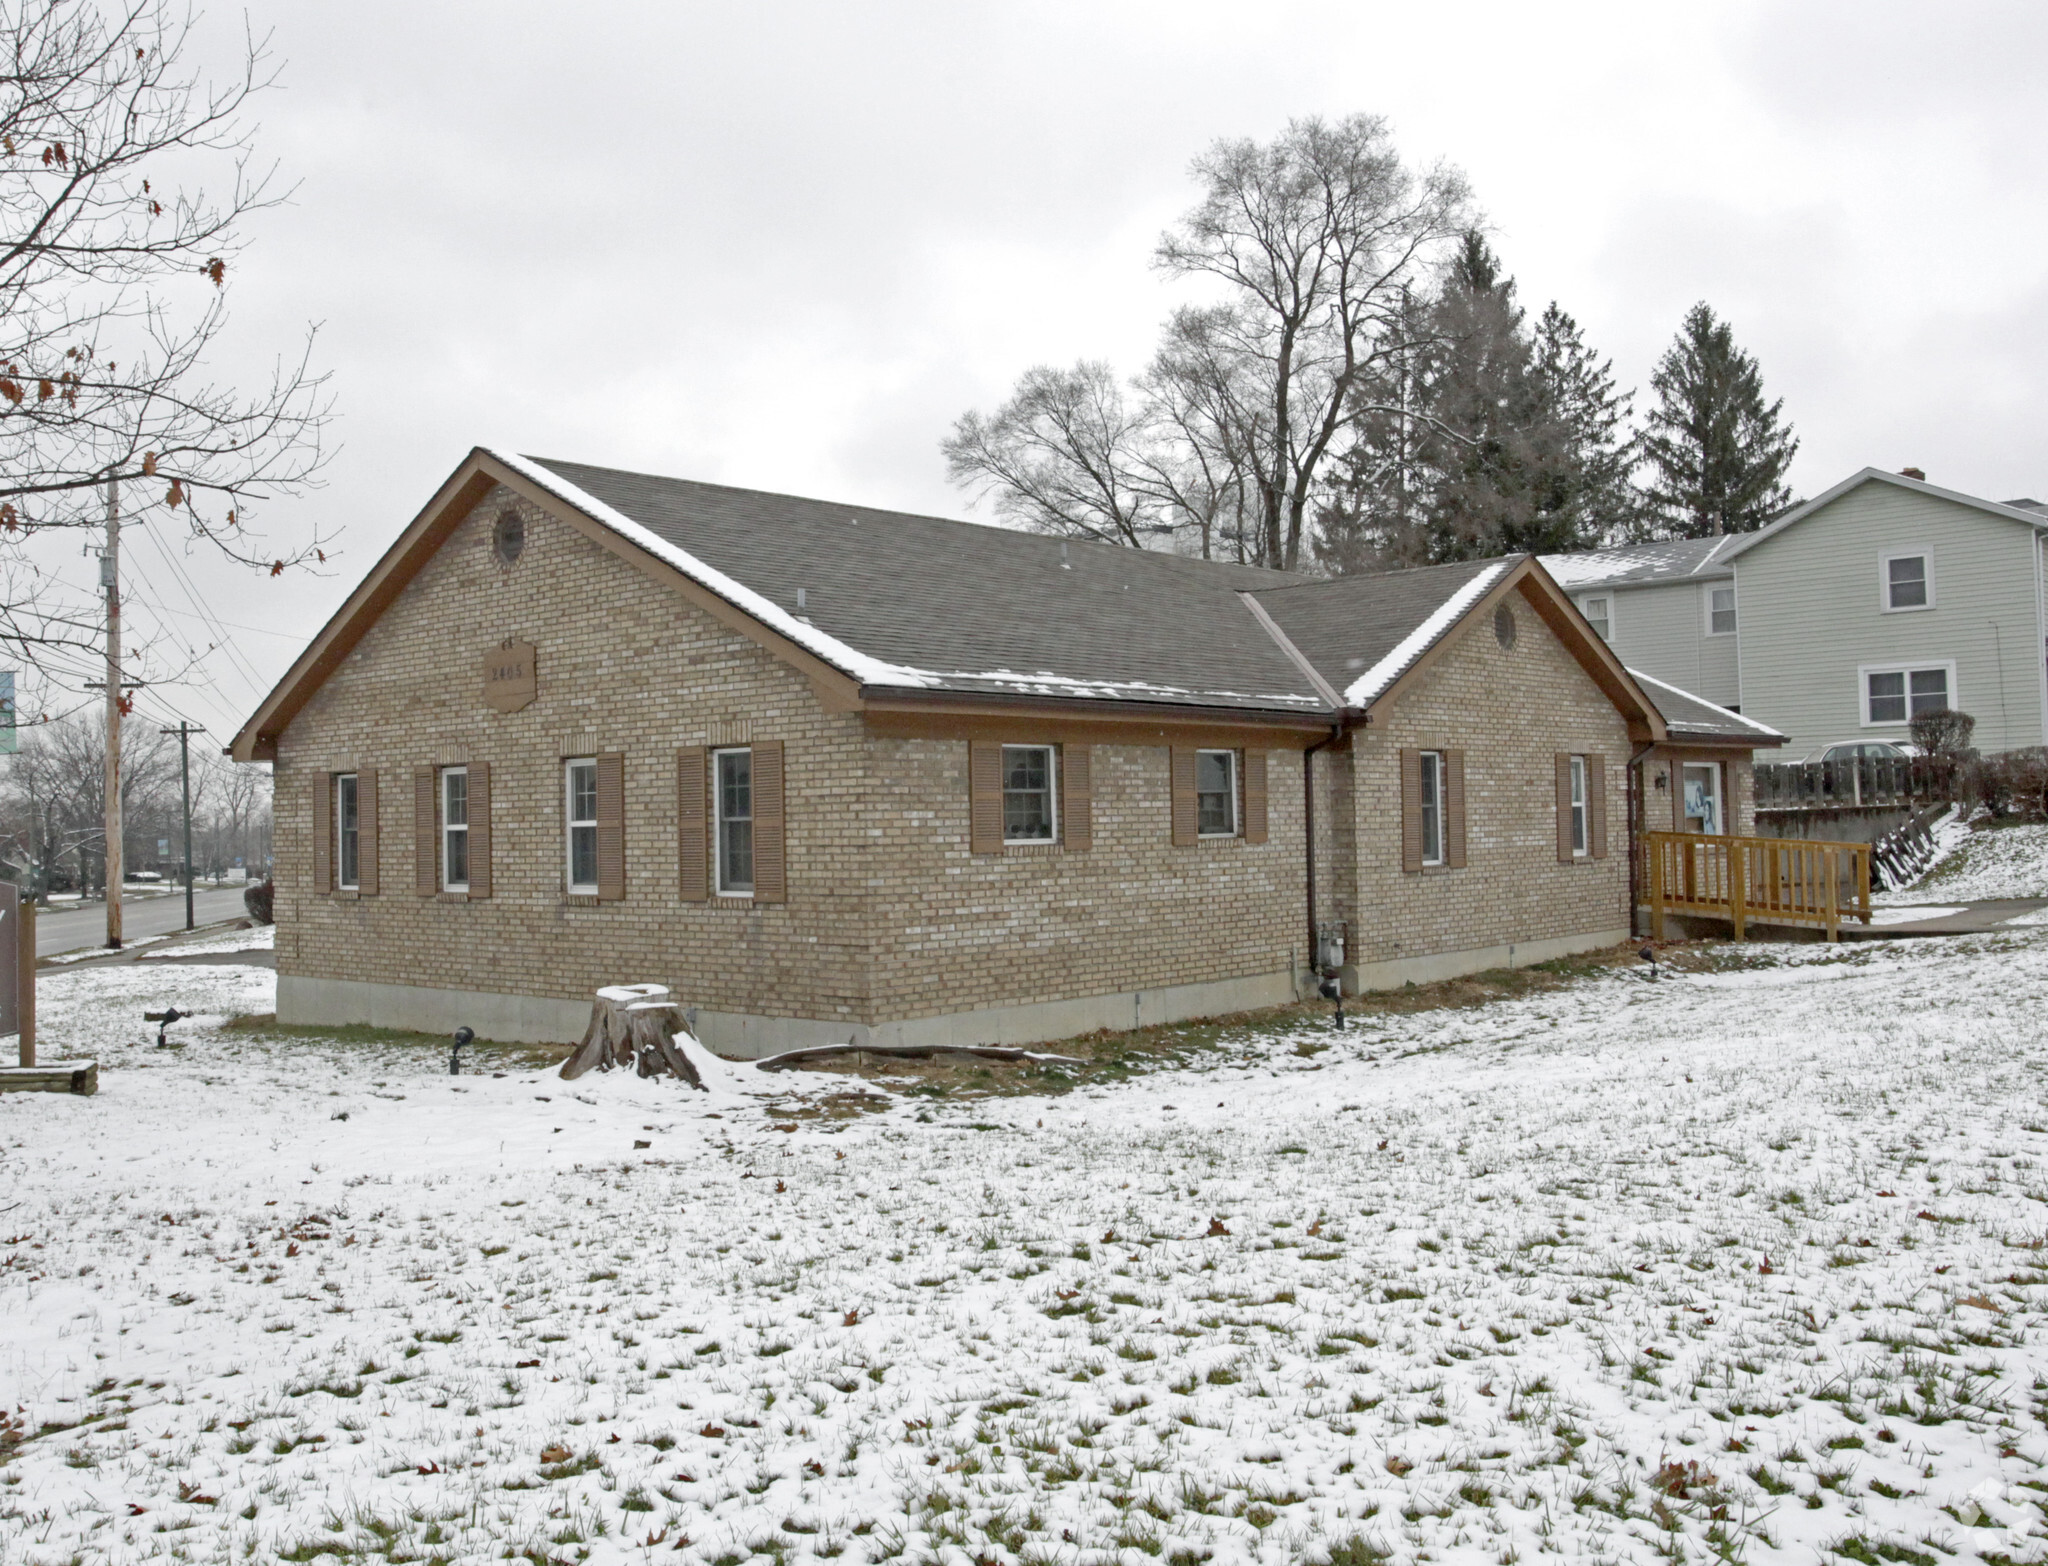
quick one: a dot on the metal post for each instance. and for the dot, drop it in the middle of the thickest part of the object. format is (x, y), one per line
(185, 731)
(25, 981)
(110, 579)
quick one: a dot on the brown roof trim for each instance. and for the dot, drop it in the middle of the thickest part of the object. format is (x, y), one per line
(477, 475)
(1556, 610)
(890, 699)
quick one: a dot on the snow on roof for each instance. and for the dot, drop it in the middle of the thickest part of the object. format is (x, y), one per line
(1659, 560)
(869, 671)
(1370, 684)
(1704, 717)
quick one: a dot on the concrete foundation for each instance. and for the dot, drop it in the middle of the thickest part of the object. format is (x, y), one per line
(1453, 965)
(531, 1019)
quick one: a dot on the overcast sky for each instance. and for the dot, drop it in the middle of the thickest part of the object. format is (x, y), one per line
(783, 244)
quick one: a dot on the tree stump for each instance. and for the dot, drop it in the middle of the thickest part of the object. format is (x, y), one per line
(632, 1025)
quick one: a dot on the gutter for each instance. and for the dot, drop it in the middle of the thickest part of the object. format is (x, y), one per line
(1308, 822)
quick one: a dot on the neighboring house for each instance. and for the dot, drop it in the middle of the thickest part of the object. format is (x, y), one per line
(834, 773)
(1883, 598)
(1668, 609)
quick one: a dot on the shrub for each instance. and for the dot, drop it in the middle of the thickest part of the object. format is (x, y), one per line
(258, 897)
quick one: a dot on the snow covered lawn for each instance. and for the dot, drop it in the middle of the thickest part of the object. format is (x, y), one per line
(2010, 861)
(1746, 1262)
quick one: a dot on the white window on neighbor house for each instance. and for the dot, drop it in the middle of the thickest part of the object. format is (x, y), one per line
(1908, 581)
(734, 770)
(1579, 847)
(579, 812)
(1216, 793)
(455, 829)
(1596, 611)
(1432, 807)
(1029, 808)
(1899, 695)
(1721, 609)
(347, 833)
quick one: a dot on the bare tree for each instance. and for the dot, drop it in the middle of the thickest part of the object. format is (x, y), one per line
(52, 803)
(1064, 455)
(113, 296)
(1316, 238)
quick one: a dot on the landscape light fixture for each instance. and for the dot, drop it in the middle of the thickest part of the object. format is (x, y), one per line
(1649, 955)
(462, 1037)
(163, 1019)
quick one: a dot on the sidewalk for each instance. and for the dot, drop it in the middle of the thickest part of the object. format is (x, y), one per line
(1955, 918)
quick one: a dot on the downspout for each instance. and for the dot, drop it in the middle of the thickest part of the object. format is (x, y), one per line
(1636, 806)
(1308, 803)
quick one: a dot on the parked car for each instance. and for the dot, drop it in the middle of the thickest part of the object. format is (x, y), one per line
(1865, 750)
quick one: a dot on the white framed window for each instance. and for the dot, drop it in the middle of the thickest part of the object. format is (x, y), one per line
(1432, 807)
(1579, 841)
(1897, 694)
(1720, 606)
(1599, 613)
(579, 816)
(1030, 802)
(348, 829)
(455, 829)
(1906, 581)
(1216, 793)
(734, 772)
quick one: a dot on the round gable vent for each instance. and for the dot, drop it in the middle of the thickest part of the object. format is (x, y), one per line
(1504, 626)
(508, 537)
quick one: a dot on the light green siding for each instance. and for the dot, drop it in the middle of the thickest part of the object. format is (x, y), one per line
(1813, 615)
(1662, 630)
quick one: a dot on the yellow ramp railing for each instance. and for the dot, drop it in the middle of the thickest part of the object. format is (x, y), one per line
(1772, 880)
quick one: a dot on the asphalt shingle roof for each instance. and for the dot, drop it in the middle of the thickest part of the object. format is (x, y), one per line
(1661, 560)
(983, 608)
(964, 607)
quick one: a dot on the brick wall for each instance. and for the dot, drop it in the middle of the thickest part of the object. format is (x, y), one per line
(954, 929)
(625, 664)
(1510, 711)
(889, 916)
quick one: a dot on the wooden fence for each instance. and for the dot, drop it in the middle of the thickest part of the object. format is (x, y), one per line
(1771, 880)
(1904, 781)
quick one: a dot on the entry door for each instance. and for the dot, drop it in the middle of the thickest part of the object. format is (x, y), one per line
(1701, 782)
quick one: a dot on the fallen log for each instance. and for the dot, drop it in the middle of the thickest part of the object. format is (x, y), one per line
(789, 1059)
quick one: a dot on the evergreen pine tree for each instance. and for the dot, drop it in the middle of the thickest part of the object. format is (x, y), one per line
(1482, 396)
(1719, 451)
(1586, 490)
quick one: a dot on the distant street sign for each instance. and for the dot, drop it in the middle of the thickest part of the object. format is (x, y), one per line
(163, 845)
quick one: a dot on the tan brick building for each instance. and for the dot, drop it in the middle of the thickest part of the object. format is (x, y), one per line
(834, 773)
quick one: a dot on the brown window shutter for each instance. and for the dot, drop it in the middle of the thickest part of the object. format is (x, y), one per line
(771, 854)
(1186, 818)
(479, 829)
(1077, 799)
(984, 797)
(1564, 807)
(611, 827)
(1411, 811)
(1255, 796)
(323, 832)
(367, 882)
(1596, 806)
(426, 832)
(693, 835)
(1454, 810)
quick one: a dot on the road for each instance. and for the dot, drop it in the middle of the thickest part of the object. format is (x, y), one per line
(69, 926)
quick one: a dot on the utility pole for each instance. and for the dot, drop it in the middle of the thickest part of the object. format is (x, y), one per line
(185, 731)
(110, 579)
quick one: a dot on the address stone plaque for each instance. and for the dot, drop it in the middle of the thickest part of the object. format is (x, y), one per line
(511, 679)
